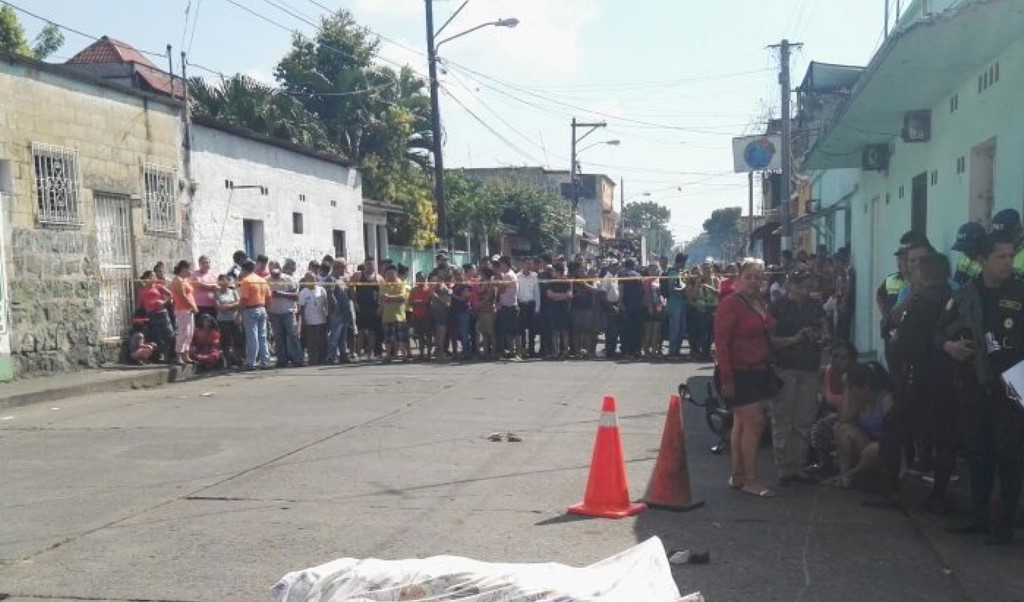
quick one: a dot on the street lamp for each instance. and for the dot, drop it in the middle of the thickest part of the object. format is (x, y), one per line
(590, 127)
(435, 109)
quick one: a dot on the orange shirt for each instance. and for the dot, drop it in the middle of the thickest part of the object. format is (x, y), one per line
(253, 291)
(181, 294)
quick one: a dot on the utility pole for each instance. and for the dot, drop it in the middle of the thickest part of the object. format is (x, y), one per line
(750, 209)
(573, 242)
(886, 32)
(435, 125)
(620, 230)
(787, 143)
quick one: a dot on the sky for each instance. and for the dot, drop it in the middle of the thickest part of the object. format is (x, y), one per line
(675, 80)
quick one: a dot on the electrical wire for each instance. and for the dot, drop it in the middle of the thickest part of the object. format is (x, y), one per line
(78, 32)
(195, 23)
(490, 129)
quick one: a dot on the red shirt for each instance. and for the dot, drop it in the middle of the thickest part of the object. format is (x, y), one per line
(419, 298)
(726, 288)
(741, 337)
(153, 298)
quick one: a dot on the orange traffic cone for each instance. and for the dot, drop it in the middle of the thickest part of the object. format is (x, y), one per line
(607, 490)
(669, 488)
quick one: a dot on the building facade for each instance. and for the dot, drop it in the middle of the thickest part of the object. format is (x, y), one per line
(934, 130)
(92, 186)
(268, 197)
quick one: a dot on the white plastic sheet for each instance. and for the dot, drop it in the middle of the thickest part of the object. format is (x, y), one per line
(639, 574)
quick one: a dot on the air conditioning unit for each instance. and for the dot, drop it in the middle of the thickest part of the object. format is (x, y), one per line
(875, 157)
(917, 126)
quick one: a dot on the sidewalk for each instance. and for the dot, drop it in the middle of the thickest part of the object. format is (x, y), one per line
(104, 380)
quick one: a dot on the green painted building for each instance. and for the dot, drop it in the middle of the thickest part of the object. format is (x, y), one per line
(934, 128)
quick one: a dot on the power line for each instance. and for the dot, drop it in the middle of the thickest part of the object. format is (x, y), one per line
(78, 32)
(195, 23)
(486, 126)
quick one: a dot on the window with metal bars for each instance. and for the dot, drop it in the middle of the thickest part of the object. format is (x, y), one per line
(161, 199)
(57, 186)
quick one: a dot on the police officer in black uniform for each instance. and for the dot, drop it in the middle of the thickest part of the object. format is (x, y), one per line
(982, 330)
(922, 389)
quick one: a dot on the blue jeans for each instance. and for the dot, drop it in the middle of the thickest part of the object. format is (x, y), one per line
(254, 322)
(463, 334)
(337, 339)
(288, 347)
(676, 326)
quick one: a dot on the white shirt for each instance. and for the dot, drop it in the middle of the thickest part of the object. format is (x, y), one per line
(610, 287)
(529, 288)
(313, 302)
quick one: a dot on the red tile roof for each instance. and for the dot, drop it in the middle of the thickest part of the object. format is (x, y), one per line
(108, 50)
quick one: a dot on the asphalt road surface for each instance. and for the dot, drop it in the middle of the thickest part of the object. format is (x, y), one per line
(211, 490)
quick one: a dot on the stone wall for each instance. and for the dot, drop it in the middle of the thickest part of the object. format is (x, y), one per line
(53, 272)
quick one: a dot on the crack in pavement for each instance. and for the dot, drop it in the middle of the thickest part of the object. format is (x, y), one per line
(236, 475)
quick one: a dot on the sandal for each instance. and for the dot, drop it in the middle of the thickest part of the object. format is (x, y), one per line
(764, 492)
(734, 483)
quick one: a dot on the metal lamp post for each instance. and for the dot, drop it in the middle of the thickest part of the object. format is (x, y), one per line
(435, 110)
(574, 179)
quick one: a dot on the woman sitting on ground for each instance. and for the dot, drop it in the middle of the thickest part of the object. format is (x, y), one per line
(823, 434)
(868, 400)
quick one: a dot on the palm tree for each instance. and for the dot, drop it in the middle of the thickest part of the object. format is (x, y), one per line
(245, 102)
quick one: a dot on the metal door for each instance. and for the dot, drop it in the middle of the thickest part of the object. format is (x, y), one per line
(114, 240)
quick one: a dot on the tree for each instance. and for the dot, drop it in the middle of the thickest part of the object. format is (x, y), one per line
(652, 221)
(538, 214)
(376, 116)
(12, 37)
(721, 237)
(469, 210)
(245, 102)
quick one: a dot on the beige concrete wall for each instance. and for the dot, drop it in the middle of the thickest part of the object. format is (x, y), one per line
(54, 286)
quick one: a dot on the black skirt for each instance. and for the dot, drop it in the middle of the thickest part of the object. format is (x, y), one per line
(752, 386)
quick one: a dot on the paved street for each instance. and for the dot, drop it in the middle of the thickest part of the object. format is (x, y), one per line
(213, 489)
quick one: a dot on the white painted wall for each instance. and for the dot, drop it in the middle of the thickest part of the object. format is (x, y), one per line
(218, 212)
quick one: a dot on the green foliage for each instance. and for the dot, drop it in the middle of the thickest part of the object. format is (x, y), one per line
(723, 222)
(469, 210)
(721, 238)
(651, 220)
(539, 214)
(12, 37)
(645, 216)
(376, 116)
(49, 40)
(244, 102)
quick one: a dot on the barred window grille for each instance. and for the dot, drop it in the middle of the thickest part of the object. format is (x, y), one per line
(57, 195)
(161, 199)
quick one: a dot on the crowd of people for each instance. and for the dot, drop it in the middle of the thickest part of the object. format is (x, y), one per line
(780, 337)
(948, 389)
(261, 313)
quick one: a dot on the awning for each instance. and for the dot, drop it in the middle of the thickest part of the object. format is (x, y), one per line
(915, 69)
(765, 231)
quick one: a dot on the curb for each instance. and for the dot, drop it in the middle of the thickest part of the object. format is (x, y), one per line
(146, 380)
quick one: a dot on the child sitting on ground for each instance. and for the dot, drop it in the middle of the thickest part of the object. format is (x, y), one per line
(206, 344)
(139, 350)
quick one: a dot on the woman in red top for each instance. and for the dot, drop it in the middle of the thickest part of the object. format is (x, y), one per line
(742, 324)
(153, 297)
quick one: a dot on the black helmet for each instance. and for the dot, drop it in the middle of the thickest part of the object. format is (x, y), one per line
(1007, 220)
(968, 236)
